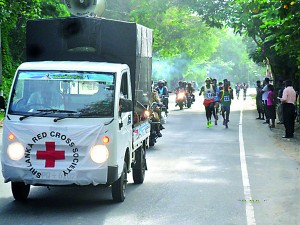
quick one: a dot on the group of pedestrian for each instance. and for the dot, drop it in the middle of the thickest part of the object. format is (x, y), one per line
(241, 86)
(216, 95)
(266, 101)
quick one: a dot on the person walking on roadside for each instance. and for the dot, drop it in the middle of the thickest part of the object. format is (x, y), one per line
(271, 105)
(259, 103)
(279, 105)
(265, 98)
(288, 109)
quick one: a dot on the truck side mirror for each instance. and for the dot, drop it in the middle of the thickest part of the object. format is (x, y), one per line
(125, 105)
(2, 103)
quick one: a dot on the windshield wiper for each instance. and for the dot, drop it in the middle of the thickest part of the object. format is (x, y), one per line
(41, 113)
(69, 113)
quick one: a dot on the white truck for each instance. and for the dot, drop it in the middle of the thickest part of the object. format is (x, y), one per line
(75, 115)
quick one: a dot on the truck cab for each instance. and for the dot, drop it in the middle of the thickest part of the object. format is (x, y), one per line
(72, 123)
(75, 114)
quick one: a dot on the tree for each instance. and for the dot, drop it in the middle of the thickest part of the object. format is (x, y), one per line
(272, 24)
(181, 39)
(13, 18)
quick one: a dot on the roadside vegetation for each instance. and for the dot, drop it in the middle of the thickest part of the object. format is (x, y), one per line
(234, 39)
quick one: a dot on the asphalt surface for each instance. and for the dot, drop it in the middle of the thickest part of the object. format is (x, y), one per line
(196, 175)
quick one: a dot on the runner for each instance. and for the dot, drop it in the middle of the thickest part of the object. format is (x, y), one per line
(209, 93)
(237, 90)
(226, 95)
(245, 87)
(217, 100)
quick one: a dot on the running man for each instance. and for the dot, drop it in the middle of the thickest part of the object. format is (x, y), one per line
(237, 90)
(209, 94)
(217, 100)
(226, 95)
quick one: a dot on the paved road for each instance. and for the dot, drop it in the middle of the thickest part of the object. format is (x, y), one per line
(215, 176)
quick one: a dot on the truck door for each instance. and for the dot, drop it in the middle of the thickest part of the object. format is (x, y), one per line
(125, 118)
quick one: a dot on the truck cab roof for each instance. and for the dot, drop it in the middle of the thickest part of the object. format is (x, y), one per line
(73, 66)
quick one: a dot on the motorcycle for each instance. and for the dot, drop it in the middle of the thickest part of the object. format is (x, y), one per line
(164, 109)
(155, 124)
(189, 100)
(181, 99)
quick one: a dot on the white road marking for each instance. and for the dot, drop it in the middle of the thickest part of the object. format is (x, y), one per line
(245, 177)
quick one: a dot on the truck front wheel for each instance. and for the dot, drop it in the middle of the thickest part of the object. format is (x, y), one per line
(20, 190)
(118, 188)
(138, 171)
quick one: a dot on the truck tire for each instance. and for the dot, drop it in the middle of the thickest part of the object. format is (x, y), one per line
(138, 171)
(118, 188)
(20, 190)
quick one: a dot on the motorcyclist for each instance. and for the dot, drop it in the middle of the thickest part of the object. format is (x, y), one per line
(184, 84)
(190, 90)
(179, 89)
(155, 107)
(163, 92)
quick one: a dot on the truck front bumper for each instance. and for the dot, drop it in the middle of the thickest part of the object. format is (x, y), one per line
(104, 175)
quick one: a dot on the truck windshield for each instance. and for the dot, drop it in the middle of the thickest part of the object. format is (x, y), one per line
(62, 93)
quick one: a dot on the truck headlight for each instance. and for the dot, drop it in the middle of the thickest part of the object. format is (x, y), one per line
(16, 151)
(99, 153)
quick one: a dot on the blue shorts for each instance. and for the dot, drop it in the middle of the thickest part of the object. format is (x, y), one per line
(225, 108)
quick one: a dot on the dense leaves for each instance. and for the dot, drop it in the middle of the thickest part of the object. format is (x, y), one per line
(272, 24)
(185, 47)
(190, 41)
(13, 18)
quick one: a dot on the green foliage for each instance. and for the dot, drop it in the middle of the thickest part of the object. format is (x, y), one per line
(272, 24)
(188, 41)
(13, 18)
(181, 39)
(176, 31)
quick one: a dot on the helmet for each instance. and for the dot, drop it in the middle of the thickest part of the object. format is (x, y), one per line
(207, 79)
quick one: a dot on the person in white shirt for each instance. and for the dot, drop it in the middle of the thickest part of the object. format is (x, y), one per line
(264, 98)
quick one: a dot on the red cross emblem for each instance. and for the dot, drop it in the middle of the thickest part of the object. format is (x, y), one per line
(50, 155)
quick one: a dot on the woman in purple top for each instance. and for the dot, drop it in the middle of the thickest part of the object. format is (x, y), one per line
(271, 106)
